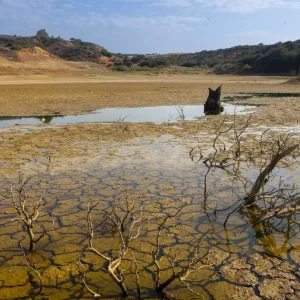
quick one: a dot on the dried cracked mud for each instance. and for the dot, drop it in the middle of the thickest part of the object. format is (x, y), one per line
(105, 162)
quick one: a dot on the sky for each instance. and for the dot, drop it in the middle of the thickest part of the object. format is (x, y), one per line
(156, 26)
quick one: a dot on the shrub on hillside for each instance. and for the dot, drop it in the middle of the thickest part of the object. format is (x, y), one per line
(150, 62)
(227, 68)
(21, 43)
(122, 68)
(246, 69)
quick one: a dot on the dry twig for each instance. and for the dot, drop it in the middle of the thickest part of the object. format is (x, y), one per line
(192, 260)
(113, 263)
(34, 269)
(29, 214)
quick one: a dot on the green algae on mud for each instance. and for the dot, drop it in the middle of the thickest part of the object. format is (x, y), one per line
(161, 175)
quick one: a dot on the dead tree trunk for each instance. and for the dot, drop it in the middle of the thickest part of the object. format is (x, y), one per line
(213, 102)
(251, 198)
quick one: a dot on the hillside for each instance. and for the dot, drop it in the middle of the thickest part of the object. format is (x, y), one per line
(279, 59)
(73, 50)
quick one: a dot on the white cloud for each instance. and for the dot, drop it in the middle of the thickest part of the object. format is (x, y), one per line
(242, 6)
(57, 11)
(170, 22)
(248, 6)
(27, 9)
(45, 9)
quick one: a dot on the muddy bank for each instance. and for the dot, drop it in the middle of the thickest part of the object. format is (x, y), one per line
(64, 97)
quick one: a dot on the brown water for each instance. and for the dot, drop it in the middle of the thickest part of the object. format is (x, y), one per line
(161, 175)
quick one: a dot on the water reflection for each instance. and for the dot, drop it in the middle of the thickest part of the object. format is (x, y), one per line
(276, 235)
(160, 172)
(138, 114)
(47, 119)
(211, 112)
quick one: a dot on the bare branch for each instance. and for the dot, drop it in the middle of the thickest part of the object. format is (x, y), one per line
(250, 199)
(113, 263)
(136, 276)
(96, 295)
(192, 260)
(33, 268)
(27, 214)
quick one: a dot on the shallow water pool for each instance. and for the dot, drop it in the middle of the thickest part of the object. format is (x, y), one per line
(138, 114)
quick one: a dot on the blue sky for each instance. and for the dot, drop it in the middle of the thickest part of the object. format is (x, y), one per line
(163, 26)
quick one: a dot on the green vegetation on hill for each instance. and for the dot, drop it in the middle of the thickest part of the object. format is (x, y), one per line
(73, 50)
(277, 59)
(280, 58)
(141, 62)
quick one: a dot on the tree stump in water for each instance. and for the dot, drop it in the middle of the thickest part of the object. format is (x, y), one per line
(213, 102)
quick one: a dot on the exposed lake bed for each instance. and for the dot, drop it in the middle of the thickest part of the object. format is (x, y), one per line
(73, 164)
